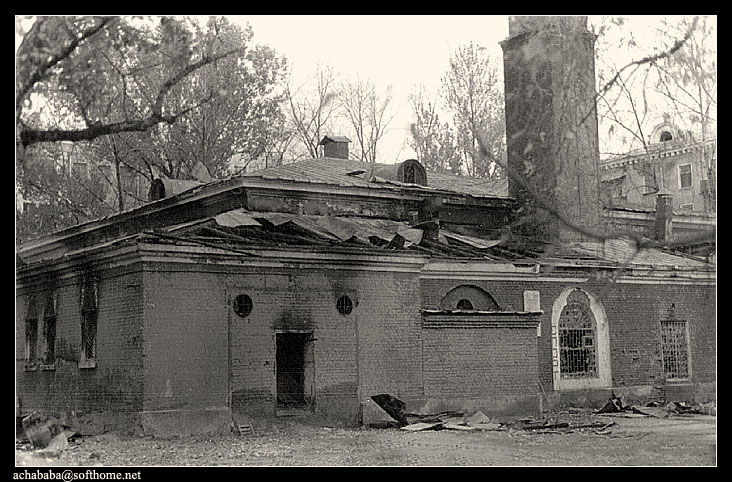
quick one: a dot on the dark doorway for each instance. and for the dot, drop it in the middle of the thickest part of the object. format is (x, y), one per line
(295, 370)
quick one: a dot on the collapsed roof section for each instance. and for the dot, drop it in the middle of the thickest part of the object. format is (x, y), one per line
(335, 204)
(243, 228)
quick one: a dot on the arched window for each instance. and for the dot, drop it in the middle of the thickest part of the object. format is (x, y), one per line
(666, 136)
(468, 297)
(577, 338)
(580, 341)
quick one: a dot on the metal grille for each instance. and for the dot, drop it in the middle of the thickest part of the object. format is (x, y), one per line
(31, 331)
(49, 335)
(89, 320)
(31, 336)
(344, 305)
(674, 349)
(89, 334)
(577, 341)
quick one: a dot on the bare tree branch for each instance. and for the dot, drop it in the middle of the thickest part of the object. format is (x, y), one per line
(646, 60)
(32, 136)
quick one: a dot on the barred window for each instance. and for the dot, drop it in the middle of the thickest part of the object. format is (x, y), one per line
(344, 305)
(89, 302)
(674, 349)
(49, 330)
(31, 333)
(577, 338)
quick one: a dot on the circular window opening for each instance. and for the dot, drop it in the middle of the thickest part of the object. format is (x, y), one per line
(344, 305)
(666, 136)
(243, 305)
(464, 305)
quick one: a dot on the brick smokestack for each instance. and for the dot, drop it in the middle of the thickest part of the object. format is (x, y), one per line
(551, 125)
(664, 217)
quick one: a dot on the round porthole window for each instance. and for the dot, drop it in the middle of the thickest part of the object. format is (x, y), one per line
(243, 305)
(344, 305)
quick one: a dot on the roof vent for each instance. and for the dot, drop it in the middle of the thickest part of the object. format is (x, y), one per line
(412, 171)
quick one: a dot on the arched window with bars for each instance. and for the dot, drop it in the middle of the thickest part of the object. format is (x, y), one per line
(577, 338)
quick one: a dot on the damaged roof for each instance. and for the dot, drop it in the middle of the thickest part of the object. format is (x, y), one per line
(348, 173)
(229, 227)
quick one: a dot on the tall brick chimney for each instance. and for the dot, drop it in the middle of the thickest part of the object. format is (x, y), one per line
(551, 125)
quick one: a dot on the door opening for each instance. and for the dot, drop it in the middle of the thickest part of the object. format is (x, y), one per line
(295, 365)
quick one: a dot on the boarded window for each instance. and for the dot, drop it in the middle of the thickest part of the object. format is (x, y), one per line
(674, 349)
(89, 303)
(31, 333)
(685, 179)
(577, 338)
(49, 330)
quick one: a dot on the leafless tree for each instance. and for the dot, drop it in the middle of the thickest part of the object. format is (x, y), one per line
(312, 108)
(368, 113)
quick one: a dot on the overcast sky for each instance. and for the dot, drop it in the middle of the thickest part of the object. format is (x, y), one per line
(398, 51)
(403, 50)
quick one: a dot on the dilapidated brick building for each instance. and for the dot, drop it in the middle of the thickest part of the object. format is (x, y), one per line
(315, 285)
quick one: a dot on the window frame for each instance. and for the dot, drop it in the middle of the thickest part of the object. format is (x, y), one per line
(31, 354)
(687, 349)
(49, 319)
(89, 313)
(584, 349)
(691, 176)
(602, 344)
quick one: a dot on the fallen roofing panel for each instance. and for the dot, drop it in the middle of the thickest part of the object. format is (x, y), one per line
(471, 241)
(235, 218)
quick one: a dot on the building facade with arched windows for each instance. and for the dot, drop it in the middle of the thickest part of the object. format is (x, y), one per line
(316, 285)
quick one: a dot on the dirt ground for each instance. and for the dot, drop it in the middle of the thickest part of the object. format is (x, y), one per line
(637, 441)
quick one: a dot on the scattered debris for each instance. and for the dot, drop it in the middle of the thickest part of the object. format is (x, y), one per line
(42, 429)
(419, 426)
(658, 412)
(393, 406)
(375, 417)
(490, 426)
(478, 418)
(614, 405)
(456, 417)
(543, 426)
(457, 426)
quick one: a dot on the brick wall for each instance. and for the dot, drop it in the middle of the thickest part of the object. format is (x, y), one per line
(488, 369)
(115, 384)
(189, 311)
(634, 312)
(185, 342)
